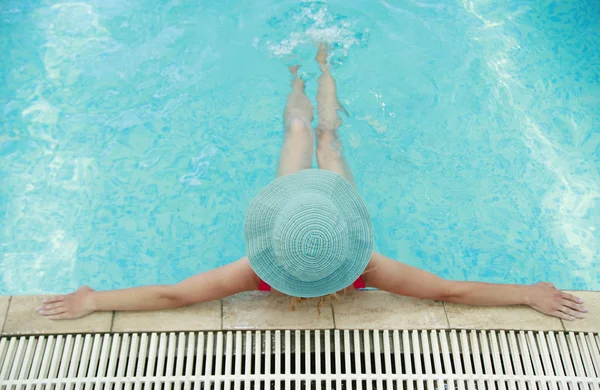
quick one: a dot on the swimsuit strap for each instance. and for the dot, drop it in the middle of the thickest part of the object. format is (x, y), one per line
(263, 286)
(358, 284)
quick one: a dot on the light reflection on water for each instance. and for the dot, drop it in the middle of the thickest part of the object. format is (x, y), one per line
(134, 136)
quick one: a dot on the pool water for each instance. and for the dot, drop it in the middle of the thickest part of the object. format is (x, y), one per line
(135, 134)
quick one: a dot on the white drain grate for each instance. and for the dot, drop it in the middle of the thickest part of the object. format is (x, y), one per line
(420, 360)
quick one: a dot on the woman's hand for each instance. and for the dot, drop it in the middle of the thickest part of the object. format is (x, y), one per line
(70, 306)
(547, 299)
(218, 283)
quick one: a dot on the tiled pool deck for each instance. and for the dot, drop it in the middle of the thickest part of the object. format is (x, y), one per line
(261, 311)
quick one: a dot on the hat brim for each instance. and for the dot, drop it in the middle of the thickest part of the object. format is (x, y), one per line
(260, 221)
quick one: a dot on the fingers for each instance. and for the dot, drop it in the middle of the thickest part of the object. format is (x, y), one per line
(563, 315)
(49, 306)
(60, 313)
(569, 310)
(575, 306)
(566, 306)
(54, 298)
(572, 307)
(52, 312)
(572, 313)
(571, 298)
(54, 308)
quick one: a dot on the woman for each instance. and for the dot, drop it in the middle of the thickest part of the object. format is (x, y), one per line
(308, 234)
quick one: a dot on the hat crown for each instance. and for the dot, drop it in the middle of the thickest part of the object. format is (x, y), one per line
(310, 237)
(308, 234)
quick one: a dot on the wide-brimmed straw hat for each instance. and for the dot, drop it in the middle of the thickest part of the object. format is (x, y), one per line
(308, 234)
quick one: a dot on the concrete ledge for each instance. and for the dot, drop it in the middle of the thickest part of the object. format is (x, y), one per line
(23, 318)
(382, 310)
(509, 317)
(202, 316)
(4, 301)
(591, 322)
(262, 311)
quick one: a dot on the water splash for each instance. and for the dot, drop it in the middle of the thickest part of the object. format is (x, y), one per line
(312, 23)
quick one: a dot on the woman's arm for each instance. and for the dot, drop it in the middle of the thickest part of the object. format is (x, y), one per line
(215, 284)
(395, 277)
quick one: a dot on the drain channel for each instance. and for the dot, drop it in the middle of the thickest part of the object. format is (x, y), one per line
(289, 359)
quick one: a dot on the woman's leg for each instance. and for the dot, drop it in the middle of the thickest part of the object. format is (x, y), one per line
(329, 145)
(298, 144)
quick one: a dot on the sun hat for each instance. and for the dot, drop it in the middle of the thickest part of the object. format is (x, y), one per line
(308, 234)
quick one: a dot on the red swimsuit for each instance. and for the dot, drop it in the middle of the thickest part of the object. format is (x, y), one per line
(359, 283)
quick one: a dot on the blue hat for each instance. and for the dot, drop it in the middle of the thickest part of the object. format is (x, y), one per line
(308, 234)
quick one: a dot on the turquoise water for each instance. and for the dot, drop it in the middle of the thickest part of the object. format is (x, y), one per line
(133, 137)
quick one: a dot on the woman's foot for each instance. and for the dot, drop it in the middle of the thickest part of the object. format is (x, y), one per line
(297, 82)
(322, 56)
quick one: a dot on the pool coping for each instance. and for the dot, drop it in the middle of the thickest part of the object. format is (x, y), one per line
(262, 311)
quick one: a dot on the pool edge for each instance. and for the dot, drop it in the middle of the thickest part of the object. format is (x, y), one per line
(259, 311)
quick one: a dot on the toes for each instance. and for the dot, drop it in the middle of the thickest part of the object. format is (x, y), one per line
(323, 48)
(294, 69)
(322, 54)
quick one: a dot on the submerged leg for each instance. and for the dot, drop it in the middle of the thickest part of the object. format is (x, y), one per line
(298, 144)
(329, 145)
